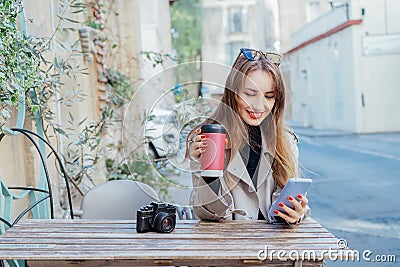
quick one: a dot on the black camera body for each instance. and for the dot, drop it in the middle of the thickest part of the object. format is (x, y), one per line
(156, 217)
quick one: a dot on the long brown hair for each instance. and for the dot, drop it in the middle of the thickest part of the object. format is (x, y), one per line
(273, 127)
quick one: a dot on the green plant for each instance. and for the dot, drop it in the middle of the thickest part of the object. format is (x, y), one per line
(85, 150)
(139, 168)
(25, 67)
(20, 59)
(98, 8)
(157, 58)
(138, 164)
(186, 23)
(186, 16)
(93, 24)
(120, 87)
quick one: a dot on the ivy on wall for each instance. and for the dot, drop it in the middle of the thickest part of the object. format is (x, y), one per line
(20, 59)
(25, 68)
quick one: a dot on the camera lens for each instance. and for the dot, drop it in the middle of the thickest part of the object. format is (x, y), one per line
(164, 223)
(167, 223)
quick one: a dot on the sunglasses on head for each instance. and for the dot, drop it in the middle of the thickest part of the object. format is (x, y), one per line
(253, 54)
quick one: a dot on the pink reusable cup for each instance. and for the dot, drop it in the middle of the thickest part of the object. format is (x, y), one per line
(212, 160)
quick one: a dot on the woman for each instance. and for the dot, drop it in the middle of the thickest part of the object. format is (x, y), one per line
(261, 154)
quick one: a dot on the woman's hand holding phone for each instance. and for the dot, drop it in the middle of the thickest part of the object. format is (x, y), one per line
(291, 203)
(292, 216)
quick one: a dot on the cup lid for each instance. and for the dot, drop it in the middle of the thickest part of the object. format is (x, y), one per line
(213, 128)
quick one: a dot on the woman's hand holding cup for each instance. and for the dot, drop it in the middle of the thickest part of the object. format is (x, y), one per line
(199, 144)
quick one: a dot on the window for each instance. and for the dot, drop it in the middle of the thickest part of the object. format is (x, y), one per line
(237, 19)
(313, 10)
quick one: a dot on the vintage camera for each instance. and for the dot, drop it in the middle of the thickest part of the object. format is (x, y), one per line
(156, 217)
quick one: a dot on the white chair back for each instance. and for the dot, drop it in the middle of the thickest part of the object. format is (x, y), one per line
(117, 199)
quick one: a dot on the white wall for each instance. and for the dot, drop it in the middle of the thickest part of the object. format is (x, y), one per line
(213, 48)
(378, 76)
(322, 83)
(335, 84)
(215, 38)
(319, 26)
(155, 29)
(293, 15)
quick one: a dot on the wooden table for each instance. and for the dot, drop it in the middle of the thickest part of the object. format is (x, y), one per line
(193, 243)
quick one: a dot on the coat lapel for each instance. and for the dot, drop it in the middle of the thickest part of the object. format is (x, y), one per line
(237, 167)
(264, 167)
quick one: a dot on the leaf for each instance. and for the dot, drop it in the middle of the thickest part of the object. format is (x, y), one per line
(35, 109)
(71, 118)
(5, 114)
(63, 47)
(60, 131)
(82, 121)
(71, 20)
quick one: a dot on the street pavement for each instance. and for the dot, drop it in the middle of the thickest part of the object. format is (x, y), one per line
(355, 191)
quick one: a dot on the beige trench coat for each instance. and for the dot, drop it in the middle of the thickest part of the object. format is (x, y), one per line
(242, 202)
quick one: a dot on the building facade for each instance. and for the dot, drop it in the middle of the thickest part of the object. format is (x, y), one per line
(129, 27)
(241, 23)
(344, 68)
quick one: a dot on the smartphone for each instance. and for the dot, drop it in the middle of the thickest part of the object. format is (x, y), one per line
(293, 187)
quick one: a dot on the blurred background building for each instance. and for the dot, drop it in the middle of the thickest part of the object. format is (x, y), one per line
(341, 60)
(231, 25)
(344, 67)
(112, 37)
(340, 57)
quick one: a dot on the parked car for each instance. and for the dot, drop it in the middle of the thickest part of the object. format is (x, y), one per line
(161, 133)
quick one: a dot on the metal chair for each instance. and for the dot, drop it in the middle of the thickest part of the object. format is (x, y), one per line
(37, 195)
(116, 199)
(40, 197)
(185, 212)
(41, 202)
